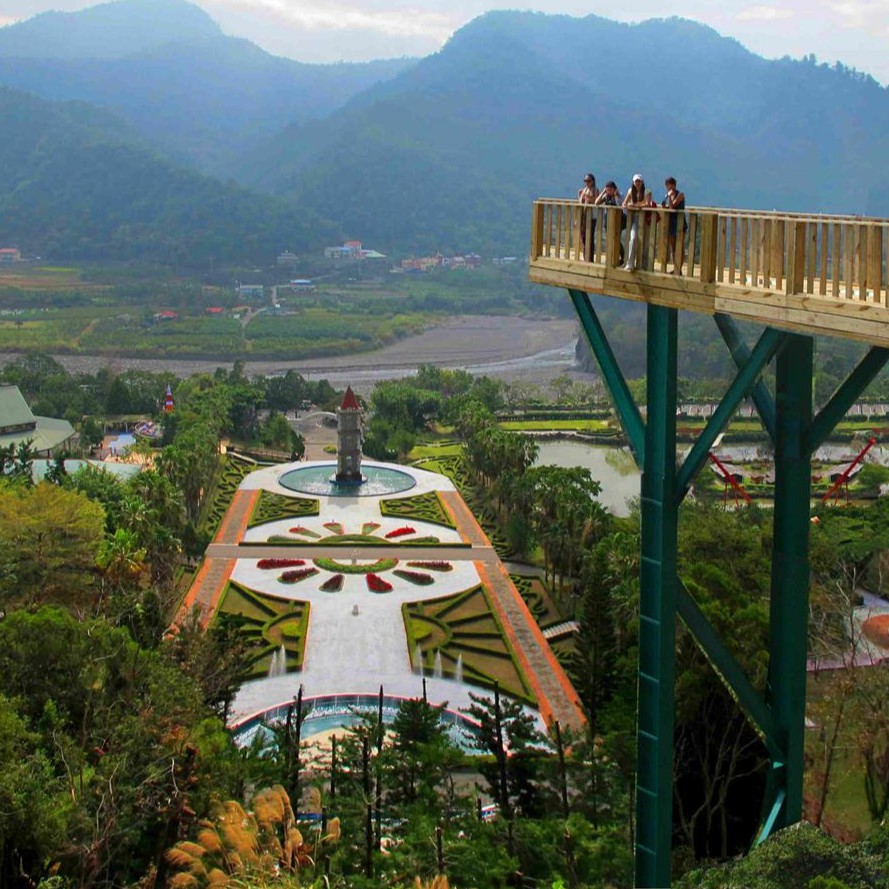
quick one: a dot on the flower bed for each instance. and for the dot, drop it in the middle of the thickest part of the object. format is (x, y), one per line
(401, 532)
(335, 528)
(376, 584)
(417, 577)
(280, 563)
(432, 566)
(369, 527)
(332, 584)
(297, 575)
(305, 532)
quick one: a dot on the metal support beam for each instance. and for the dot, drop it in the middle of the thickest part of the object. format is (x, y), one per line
(789, 601)
(657, 608)
(846, 395)
(762, 398)
(742, 385)
(627, 412)
(731, 673)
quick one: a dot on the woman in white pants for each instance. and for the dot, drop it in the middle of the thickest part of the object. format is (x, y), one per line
(635, 198)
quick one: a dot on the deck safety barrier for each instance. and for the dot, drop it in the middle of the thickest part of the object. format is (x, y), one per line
(837, 257)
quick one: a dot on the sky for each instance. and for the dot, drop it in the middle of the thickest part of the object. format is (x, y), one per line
(854, 32)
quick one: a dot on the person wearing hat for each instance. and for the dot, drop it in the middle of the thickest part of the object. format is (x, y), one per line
(610, 197)
(635, 198)
(587, 195)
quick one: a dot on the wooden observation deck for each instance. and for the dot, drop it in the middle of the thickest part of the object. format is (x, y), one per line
(808, 273)
(796, 275)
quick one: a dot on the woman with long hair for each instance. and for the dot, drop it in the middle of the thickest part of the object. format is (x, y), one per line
(635, 198)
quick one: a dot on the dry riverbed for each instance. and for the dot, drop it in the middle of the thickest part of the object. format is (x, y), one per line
(509, 348)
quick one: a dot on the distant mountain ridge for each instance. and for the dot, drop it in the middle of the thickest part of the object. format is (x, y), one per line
(519, 105)
(77, 185)
(199, 96)
(448, 152)
(107, 31)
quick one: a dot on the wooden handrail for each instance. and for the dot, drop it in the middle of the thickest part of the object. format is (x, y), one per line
(834, 257)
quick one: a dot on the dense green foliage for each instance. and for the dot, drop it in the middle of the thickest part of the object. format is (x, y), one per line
(168, 70)
(75, 187)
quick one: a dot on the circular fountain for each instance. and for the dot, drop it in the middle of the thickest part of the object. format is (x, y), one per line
(320, 480)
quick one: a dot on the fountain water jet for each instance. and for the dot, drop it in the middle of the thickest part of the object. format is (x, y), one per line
(418, 659)
(278, 665)
(458, 668)
(437, 671)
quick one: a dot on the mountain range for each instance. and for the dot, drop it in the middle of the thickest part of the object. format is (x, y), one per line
(443, 153)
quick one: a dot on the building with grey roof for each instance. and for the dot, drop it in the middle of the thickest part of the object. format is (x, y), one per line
(47, 435)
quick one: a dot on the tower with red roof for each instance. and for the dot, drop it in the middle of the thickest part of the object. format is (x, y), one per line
(348, 460)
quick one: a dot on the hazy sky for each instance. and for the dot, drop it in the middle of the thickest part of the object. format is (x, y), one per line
(855, 32)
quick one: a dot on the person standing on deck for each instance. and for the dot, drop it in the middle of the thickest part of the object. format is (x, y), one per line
(675, 200)
(610, 197)
(635, 198)
(586, 196)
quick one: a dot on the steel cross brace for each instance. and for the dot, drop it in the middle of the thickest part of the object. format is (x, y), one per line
(779, 718)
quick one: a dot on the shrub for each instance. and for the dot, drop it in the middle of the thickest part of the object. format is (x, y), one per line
(280, 563)
(432, 566)
(297, 575)
(333, 584)
(417, 577)
(376, 584)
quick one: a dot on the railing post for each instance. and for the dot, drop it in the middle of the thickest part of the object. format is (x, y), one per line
(612, 237)
(796, 258)
(708, 224)
(537, 231)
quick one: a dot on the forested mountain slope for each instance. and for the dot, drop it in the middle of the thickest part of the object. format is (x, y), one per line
(74, 187)
(165, 67)
(519, 105)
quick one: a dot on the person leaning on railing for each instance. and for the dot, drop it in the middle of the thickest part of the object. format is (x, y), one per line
(675, 200)
(587, 195)
(635, 198)
(610, 197)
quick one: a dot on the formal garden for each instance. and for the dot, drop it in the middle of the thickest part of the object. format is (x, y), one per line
(349, 623)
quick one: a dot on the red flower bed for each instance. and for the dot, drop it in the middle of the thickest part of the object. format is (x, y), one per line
(400, 532)
(297, 575)
(280, 563)
(376, 584)
(332, 584)
(334, 527)
(306, 532)
(417, 577)
(432, 566)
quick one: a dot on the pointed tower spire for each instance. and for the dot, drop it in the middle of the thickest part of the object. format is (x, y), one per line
(348, 461)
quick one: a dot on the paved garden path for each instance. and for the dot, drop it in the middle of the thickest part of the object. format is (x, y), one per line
(210, 581)
(552, 688)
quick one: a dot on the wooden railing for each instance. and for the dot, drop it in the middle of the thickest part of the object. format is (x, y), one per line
(835, 257)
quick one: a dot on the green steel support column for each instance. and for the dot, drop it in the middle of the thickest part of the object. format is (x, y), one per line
(657, 608)
(789, 607)
(627, 412)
